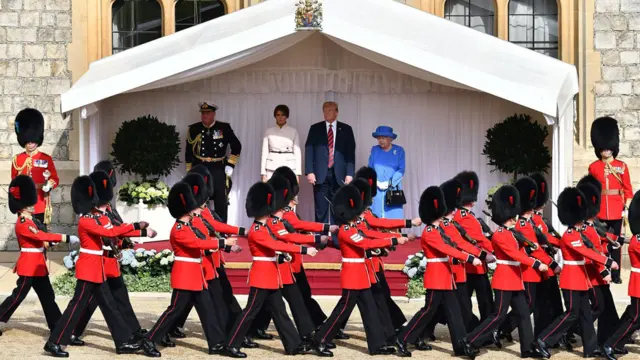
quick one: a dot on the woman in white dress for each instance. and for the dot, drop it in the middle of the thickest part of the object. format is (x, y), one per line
(280, 146)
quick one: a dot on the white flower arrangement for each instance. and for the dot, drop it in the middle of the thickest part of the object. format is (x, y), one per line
(415, 265)
(135, 261)
(153, 192)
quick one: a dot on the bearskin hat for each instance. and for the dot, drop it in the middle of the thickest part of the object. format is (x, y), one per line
(634, 214)
(452, 189)
(29, 127)
(590, 179)
(104, 188)
(22, 193)
(592, 195)
(347, 204)
(282, 190)
(206, 174)
(198, 186)
(432, 205)
(543, 189)
(605, 135)
(107, 166)
(527, 189)
(365, 191)
(260, 200)
(181, 200)
(371, 176)
(470, 186)
(505, 204)
(83, 195)
(572, 206)
(288, 174)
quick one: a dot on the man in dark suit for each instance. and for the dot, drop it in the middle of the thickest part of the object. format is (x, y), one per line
(330, 154)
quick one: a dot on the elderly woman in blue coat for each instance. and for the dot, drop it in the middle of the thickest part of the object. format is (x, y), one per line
(388, 161)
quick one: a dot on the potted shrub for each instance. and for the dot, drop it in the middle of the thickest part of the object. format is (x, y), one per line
(148, 149)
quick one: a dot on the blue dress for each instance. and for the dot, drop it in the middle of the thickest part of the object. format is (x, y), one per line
(389, 166)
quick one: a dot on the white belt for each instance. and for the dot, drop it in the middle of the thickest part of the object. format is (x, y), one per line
(566, 262)
(108, 248)
(445, 259)
(92, 252)
(187, 259)
(32, 250)
(264, 258)
(350, 260)
(635, 270)
(508, 262)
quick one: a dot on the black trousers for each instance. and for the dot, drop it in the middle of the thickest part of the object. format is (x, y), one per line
(370, 318)
(578, 310)
(629, 324)
(85, 290)
(518, 301)
(604, 310)
(42, 287)
(469, 320)
(616, 225)
(219, 197)
(397, 316)
(511, 323)
(384, 315)
(272, 298)
(434, 301)
(233, 307)
(221, 315)
(549, 304)
(481, 285)
(322, 192)
(180, 300)
(315, 311)
(120, 294)
(301, 315)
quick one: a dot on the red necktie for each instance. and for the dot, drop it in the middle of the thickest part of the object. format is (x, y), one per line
(330, 144)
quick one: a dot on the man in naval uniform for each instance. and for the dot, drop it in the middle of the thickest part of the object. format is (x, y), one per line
(207, 143)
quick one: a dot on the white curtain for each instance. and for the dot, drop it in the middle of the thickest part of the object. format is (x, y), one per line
(532, 22)
(476, 14)
(442, 129)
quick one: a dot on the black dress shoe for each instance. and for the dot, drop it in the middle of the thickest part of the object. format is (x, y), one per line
(75, 341)
(495, 337)
(139, 334)
(216, 349)
(468, 349)
(595, 354)
(261, 334)
(506, 335)
(384, 351)
(130, 347)
(533, 353)
(341, 335)
(402, 348)
(322, 349)
(564, 341)
(543, 348)
(249, 344)
(422, 346)
(149, 348)
(620, 351)
(233, 352)
(55, 350)
(177, 333)
(617, 281)
(330, 345)
(167, 342)
(608, 352)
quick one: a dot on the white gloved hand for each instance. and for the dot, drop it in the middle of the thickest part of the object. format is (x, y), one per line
(74, 242)
(383, 185)
(228, 170)
(46, 188)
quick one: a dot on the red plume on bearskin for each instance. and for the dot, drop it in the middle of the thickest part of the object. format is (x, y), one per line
(365, 190)
(451, 190)
(347, 204)
(542, 195)
(107, 166)
(526, 187)
(371, 176)
(432, 205)
(505, 204)
(198, 186)
(83, 196)
(281, 188)
(288, 174)
(470, 186)
(206, 175)
(259, 200)
(572, 206)
(181, 200)
(102, 183)
(592, 197)
(22, 193)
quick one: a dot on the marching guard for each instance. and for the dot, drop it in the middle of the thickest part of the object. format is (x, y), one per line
(29, 128)
(31, 266)
(207, 144)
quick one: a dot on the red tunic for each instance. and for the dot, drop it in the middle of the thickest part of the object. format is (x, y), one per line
(188, 272)
(264, 272)
(634, 257)
(468, 221)
(208, 265)
(438, 274)
(278, 229)
(374, 263)
(34, 166)
(459, 269)
(574, 252)
(32, 261)
(614, 192)
(596, 271)
(509, 257)
(554, 241)
(222, 228)
(530, 274)
(301, 225)
(91, 230)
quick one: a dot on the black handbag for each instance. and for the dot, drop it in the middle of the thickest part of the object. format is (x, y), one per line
(395, 197)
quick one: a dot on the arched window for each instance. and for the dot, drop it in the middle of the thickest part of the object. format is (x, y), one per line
(194, 12)
(135, 22)
(476, 14)
(534, 25)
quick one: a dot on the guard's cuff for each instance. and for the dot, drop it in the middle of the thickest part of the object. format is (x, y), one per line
(609, 262)
(394, 241)
(318, 240)
(66, 238)
(470, 259)
(220, 243)
(242, 231)
(483, 255)
(408, 223)
(143, 233)
(528, 250)
(326, 228)
(208, 252)
(136, 226)
(368, 253)
(553, 265)
(303, 250)
(604, 273)
(536, 264)
(621, 240)
(227, 248)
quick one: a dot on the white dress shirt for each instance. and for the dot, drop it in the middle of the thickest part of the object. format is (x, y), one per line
(335, 132)
(281, 147)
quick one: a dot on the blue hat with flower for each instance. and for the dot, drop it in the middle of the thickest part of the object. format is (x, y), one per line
(384, 131)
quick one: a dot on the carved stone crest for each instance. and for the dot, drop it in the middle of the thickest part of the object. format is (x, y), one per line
(309, 15)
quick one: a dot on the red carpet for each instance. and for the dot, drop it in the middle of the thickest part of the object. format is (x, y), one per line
(322, 270)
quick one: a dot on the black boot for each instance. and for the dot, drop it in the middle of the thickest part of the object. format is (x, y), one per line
(495, 337)
(129, 347)
(217, 349)
(533, 353)
(177, 333)
(385, 350)
(422, 345)
(608, 352)
(620, 351)
(248, 343)
(149, 348)
(75, 341)
(564, 341)
(261, 334)
(468, 349)
(595, 354)
(321, 349)
(402, 348)
(233, 352)
(330, 345)
(341, 335)
(506, 335)
(140, 333)
(55, 350)
(543, 348)
(167, 342)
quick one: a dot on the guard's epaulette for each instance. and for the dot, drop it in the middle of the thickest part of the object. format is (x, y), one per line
(429, 228)
(500, 229)
(287, 209)
(463, 212)
(358, 222)
(90, 216)
(257, 227)
(179, 226)
(22, 219)
(445, 222)
(523, 222)
(346, 227)
(274, 221)
(569, 231)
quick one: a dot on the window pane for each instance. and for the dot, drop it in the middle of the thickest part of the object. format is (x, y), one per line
(135, 22)
(194, 12)
(534, 25)
(476, 14)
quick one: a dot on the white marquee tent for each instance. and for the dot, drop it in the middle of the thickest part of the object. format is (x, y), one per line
(438, 84)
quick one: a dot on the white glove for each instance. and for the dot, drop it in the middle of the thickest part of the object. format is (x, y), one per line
(625, 213)
(228, 170)
(46, 188)
(383, 185)
(74, 241)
